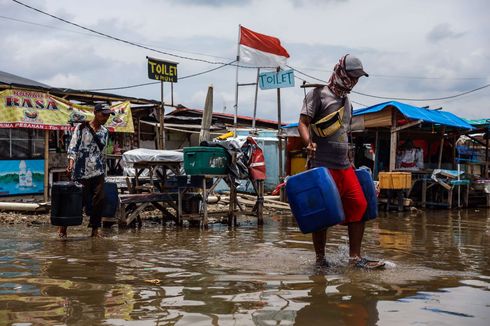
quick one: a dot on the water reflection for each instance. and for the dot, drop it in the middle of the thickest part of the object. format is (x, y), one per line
(249, 275)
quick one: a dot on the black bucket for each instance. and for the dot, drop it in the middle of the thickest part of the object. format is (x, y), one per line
(66, 203)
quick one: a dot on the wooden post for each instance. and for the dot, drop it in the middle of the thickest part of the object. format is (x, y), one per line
(205, 203)
(443, 130)
(279, 137)
(260, 202)
(46, 165)
(207, 116)
(486, 153)
(393, 140)
(233, 197)
(376, 154)
(172, 94)
(162, 116)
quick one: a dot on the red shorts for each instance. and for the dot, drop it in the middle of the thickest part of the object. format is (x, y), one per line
(351, 194)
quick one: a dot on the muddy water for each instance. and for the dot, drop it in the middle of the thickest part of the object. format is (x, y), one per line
(439, 274)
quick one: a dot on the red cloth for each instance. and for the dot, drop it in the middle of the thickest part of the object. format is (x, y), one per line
(353, 200)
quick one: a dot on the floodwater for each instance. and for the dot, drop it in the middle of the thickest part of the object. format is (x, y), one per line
(438, 274)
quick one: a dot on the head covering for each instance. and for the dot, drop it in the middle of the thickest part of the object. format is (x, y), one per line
(345, 75)
(104, 108)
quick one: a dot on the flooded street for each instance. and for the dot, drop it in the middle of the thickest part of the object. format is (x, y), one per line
(438, 274)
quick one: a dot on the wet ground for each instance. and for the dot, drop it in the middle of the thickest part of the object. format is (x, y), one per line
(439, 274)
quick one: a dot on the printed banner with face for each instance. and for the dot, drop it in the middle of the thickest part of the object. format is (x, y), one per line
(38, 110)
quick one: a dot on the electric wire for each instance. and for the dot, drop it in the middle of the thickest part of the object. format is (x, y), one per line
(157, 82)
(400, 98)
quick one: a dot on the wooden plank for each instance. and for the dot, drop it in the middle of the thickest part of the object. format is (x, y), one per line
(145, 198)
(378, 119)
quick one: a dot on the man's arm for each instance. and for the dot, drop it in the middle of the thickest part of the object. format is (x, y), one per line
(73, 149)
(304, 132)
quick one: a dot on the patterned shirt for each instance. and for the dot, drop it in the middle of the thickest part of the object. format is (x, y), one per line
(89, 159)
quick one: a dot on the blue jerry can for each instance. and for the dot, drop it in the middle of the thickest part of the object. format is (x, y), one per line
(367, 185)
(111, 201)
(66, 203)
(314, 200)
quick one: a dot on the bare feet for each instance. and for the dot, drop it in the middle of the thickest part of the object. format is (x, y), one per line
(96, 233)
(62, 232)
(321, 262)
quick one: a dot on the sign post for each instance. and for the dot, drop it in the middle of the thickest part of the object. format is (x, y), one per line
(164, 71)
(276, 80)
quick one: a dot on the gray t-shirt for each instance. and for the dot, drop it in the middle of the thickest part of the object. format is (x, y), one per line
(332, 151)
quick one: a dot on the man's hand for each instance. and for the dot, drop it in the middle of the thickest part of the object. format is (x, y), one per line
(311, 150)
(69, 168)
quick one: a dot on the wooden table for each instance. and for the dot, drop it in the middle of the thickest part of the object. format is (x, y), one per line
(132, 204)
(152, 167)
(206, 190)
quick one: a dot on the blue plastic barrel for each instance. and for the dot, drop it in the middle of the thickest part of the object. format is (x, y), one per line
(314, 200)
(66, 203)
(111, 201)
(367, 185)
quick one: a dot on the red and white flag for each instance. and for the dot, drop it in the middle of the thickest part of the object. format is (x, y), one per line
(261, 50)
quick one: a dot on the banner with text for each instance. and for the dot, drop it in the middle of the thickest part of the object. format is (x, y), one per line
(38, 110)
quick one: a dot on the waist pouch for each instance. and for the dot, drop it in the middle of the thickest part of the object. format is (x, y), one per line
(329, 124)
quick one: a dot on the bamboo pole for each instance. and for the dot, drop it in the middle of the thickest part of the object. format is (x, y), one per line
(46, 165)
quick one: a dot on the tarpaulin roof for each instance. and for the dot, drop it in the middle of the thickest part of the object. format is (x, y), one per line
(416, 113)
(478, 122)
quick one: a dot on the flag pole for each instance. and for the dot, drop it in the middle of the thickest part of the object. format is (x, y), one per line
(279, 137)
(235, 119)
(255, 101)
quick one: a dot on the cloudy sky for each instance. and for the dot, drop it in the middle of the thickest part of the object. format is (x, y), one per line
(412, 49)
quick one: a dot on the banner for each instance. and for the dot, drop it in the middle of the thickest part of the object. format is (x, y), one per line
(21, 177)
(38, 110)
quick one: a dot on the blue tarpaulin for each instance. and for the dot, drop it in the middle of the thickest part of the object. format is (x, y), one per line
(416, 113)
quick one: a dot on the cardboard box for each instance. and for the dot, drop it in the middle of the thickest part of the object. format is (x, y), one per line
(395, 180)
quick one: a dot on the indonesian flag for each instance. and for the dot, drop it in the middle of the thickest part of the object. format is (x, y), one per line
(261, 50)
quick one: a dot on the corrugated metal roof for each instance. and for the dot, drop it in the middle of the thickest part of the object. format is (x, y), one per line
(8, 80)
(228, 116)
(417, 113)
(11, 79)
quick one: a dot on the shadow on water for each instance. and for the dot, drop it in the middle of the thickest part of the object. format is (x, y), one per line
(249, 275)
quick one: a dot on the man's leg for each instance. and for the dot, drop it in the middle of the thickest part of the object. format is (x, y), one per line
(319, 242)
(356, 233)
(97, 204)
(62, 232)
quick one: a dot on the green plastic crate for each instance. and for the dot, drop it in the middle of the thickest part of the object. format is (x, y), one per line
(201, 160)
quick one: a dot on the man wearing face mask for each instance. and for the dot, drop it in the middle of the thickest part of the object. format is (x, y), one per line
(324, 127)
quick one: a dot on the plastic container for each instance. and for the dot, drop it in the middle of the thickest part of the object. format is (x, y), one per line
(66, 203)
(111, 201)
(314, 200)
(367, 185)
(203, 160)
